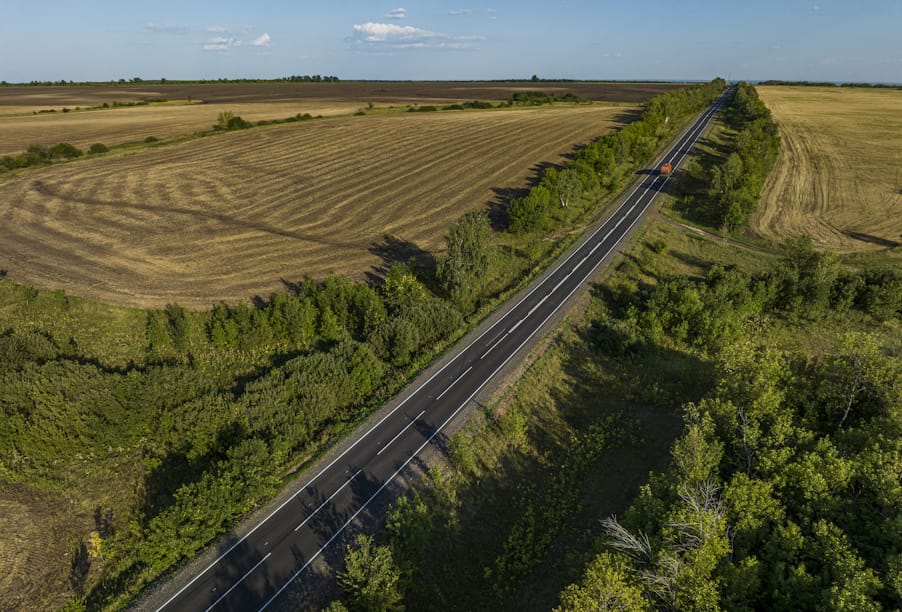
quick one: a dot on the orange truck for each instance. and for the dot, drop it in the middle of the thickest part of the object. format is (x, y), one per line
(666, 169)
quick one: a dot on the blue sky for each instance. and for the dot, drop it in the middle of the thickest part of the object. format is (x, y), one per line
(678, 39)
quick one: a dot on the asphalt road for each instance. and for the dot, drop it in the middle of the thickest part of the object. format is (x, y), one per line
(255, 571)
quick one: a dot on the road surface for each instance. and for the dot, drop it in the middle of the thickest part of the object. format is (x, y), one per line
(255, 571)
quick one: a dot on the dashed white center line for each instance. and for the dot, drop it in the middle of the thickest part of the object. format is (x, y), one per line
(406, 427)
(454, 383)
(496, 343)
(249, 572)
(312, 514)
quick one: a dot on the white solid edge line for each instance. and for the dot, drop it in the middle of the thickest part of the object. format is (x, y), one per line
(703, 118)
(453, 414)
(397, 435)
(249, 572)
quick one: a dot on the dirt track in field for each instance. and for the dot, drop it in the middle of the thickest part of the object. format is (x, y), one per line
(839, 174)
(232, 216)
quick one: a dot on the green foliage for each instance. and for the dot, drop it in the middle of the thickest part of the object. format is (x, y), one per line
(608, 584)
(64, 150)
(544, 513)
(370, 578)
(538, 98)
(409, 529)
(530, 213)
(97, 148)
(605, 161)
(227, 120)
(807, 498)
(734, 186)
(462, 270)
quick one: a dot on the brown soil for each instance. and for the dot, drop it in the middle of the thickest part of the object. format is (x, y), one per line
(36, 549)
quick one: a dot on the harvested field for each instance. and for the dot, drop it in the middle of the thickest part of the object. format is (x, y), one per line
(360, 92)
(839, 174)
(19, 127)
(132, 124)
(230, 216)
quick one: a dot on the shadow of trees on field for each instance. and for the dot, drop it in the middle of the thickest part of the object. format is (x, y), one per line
(497, 207)
(392, 249)
(884, 242)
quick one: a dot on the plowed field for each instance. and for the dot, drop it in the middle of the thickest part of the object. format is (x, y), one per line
(839, 174)
(230, 216)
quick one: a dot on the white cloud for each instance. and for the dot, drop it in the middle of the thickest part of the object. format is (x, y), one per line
(262, 40)
(221, 29)
(398, 13)
(221, 43)
(167, 28)
(461, 12)
(375, 36)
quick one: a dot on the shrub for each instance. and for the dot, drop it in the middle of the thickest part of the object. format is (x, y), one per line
(98, 148)
(150, 139)
(64, 150)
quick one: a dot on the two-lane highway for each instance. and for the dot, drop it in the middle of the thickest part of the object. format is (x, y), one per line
(255, 571)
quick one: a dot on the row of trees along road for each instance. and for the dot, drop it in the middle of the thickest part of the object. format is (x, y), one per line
(734, 185)
(606, 162)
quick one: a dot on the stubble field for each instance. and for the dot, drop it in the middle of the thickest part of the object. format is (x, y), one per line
(234, 215)
(20, 127)
(839, 174)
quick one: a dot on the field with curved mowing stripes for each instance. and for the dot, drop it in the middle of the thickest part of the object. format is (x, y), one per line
(230, 216)
(838, 177)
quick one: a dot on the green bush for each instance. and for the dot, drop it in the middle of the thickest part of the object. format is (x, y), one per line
(97, 148)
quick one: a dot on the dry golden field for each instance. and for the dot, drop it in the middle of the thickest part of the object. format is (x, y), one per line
(227, 217)
(20, 127)
(839, 174)
(135, 123)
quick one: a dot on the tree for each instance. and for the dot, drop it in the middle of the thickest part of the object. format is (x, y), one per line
(569, 187)
(228, 120)
(608, 584)
(531, 212)
(461, 272)
(370, 578)
(64, 150)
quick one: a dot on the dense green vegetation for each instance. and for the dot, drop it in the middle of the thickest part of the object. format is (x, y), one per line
(725, 194)
(562, 193)
(782, 490)
(39, 155)
(197, 417)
